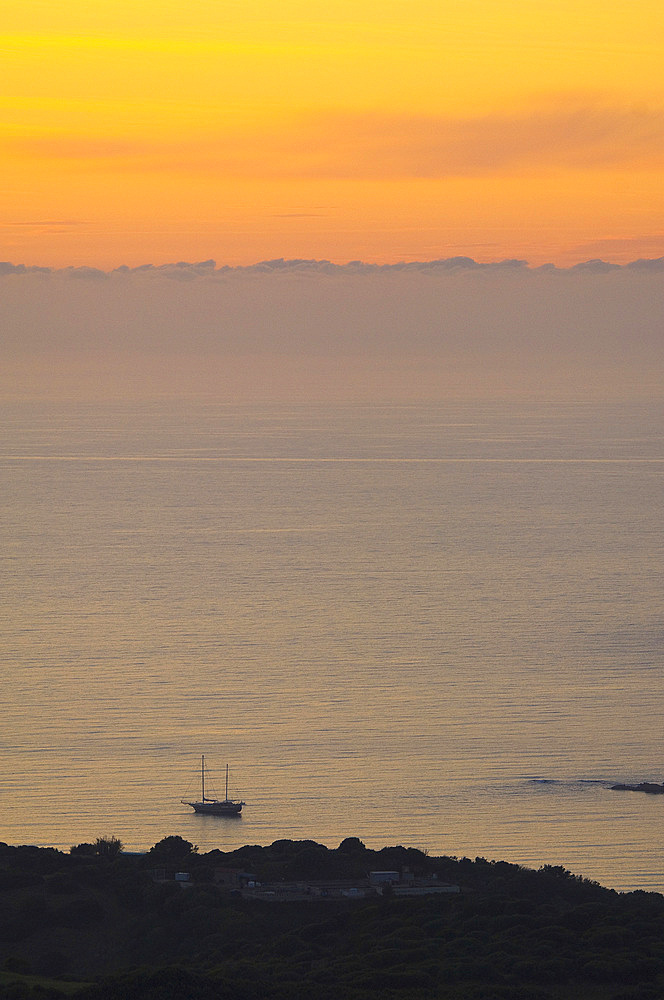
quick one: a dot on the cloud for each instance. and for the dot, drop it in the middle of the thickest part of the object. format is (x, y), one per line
(45, 223)
(181, 271)
(7, 268)
(647, 264)
(562, 135)
(308, 329)
(653, 241)
(77, 146)
(596, 266)
(402, 145)
(86, 272)
(207, 269)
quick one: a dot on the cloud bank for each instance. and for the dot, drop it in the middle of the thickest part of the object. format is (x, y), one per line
(314, 330)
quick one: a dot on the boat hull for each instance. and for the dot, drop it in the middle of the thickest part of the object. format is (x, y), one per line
(217, 808)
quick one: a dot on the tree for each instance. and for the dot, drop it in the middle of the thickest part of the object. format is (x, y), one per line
(86, 850)
(351, 845)
(174, 847)
(107, 847)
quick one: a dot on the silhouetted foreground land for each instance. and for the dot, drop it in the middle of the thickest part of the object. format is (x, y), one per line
(102, 925)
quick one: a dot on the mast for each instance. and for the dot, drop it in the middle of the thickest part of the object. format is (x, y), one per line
(227, 782)
(203, 778)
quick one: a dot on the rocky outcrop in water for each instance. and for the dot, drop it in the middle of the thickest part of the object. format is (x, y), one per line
(649, 787)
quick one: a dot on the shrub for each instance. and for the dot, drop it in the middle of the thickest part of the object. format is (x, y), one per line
(18, 964)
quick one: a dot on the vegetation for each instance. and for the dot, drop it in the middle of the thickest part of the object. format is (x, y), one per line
(97, 925)
(103, 847)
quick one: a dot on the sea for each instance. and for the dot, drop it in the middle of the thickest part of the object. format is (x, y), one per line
(431, 624)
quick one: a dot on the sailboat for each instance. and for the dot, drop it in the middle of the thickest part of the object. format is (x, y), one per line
(214, 807)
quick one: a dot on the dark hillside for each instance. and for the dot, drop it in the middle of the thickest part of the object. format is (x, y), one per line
(111, 926)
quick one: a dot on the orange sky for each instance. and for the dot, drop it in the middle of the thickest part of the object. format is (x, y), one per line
(246, 129)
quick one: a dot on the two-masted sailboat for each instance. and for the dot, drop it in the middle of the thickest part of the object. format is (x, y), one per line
(214, 807)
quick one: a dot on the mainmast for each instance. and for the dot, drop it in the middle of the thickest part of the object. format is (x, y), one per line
(227, 782)
(203, 778)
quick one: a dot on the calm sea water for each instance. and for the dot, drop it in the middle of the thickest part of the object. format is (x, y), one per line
(437, 626)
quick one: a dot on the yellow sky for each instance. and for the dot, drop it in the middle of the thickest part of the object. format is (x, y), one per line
(247, 129)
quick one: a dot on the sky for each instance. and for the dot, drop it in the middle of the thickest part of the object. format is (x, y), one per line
(357, 199)
(374, 130)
